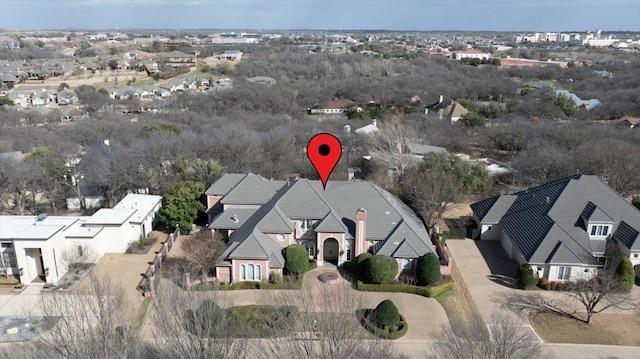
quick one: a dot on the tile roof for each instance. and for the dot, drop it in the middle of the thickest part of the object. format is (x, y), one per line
(331, 223)
(233, 217)
(388, 218)
(252, 189)
(547, 223)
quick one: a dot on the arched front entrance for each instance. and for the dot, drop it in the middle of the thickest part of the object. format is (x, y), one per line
(330, 250)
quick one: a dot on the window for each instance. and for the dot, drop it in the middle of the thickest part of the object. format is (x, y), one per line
(564, 273)
(348, 244)
(7, 245)
(281, 237)
(310, 246)
(636, 255)
(9, 259)
(598, 230)
(306, 224)
(250, 272)
(406, 263)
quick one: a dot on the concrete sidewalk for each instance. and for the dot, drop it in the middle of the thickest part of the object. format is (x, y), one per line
(22, 304)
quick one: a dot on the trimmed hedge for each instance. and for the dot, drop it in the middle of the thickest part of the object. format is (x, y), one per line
(393, 331)
(312, 265)
(430, 292)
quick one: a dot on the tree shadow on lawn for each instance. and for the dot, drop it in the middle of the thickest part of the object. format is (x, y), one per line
(531, 303)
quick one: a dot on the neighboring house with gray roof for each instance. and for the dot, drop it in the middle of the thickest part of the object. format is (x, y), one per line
(262, 217)
(566, 229)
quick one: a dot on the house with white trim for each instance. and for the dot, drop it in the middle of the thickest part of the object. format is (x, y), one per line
(32, 247)
(261, 217)
(565, 229)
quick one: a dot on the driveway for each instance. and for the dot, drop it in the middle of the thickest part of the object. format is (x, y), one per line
(487, 272)
(425, 316)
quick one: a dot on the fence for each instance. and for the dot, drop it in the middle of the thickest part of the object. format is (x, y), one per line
(151, 278)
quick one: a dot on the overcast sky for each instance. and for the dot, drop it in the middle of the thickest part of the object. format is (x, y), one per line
(500, 15)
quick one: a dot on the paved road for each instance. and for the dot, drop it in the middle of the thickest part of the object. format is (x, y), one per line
(486, 271)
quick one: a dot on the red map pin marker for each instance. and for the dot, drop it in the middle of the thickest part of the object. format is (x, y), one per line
(324, 151)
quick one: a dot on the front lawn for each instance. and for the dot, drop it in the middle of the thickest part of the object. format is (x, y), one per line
(606, 329)
(248, 321)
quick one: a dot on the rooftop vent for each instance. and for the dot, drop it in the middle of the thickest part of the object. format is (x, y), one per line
(235, 218)
(41, 217)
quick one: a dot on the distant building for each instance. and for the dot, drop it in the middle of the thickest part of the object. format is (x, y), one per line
(470, 54)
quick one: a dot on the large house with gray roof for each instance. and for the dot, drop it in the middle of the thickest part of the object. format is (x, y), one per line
(260, 217)
(566, 229)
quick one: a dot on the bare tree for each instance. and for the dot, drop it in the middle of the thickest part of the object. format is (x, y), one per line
(327, 325)
(93, 323)
(596, 295)
(586, 295)
(509, 339)
(192, 325)
(430, 193)
(175, 269)
(391, 145)
(78, 257)
(203, 251)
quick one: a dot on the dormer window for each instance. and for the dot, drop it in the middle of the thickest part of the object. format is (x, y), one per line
(599, 230)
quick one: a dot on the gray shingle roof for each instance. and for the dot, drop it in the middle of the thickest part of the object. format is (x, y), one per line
(227, 219)
(628, 236)
(331, 223)
(275, 221)
(224, 184)
(252, 189)
(547, 223)
(388, 218)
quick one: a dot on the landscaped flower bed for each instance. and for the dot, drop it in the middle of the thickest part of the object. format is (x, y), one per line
(329, 277)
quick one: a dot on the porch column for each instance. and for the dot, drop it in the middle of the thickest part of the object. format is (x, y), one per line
(319, 248)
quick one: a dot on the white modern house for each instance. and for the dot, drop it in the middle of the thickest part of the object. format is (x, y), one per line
(32, 247)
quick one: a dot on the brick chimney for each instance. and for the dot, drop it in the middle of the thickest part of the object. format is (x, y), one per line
(361, 232)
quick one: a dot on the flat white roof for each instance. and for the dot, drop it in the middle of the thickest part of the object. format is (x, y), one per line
(43, 232)
(78, 231)
(110, 216)
(28, 227)
(143, 202)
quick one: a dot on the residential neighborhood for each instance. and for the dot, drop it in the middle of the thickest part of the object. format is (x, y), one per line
(374, 179)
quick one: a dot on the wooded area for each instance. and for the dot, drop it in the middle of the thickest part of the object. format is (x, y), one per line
(264, 129)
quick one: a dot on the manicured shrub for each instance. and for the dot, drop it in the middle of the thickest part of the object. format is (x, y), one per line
(378, 270)
(361, 262)
(428, 269)
(626, 274)
(385, 314)
(297, 259)
(524, 276)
